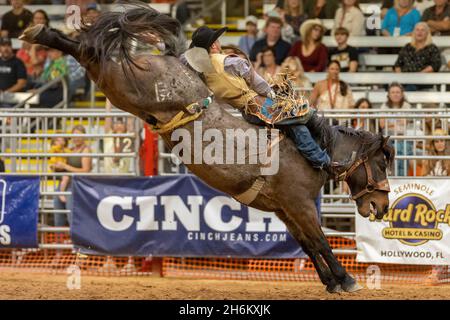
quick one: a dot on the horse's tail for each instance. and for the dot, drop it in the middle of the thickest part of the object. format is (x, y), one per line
(114, 33)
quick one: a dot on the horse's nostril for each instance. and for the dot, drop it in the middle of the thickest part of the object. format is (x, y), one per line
(386, 209)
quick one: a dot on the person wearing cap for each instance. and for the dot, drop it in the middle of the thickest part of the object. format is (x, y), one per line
(246, 42)
(13, 74)
(233, 80)
(310, 50)
(16, 20)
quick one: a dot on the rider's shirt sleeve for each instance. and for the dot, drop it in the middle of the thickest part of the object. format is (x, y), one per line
(242, 68)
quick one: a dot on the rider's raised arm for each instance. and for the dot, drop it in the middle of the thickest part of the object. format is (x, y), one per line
(242, 68)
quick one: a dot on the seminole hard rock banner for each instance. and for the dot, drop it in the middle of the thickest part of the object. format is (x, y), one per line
(415, 231)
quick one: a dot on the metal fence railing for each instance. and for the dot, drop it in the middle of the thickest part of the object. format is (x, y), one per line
(26, 137)
(25, 148)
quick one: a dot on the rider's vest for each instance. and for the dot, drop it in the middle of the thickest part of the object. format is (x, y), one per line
(230, 88)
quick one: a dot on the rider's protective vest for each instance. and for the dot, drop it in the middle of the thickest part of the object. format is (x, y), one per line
(230, 88)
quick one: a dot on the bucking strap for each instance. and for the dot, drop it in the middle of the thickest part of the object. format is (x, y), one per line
(250, 195)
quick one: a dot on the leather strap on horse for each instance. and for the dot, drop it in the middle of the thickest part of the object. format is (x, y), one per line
(195, 110)
(248, 196)
(372, 185)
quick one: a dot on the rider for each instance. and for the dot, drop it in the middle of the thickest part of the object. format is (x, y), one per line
(235, 81)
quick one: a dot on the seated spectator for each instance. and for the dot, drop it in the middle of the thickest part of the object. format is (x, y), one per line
(294, 15)
(437, 147)
(421, 55)
(396, 100)
(332, 93)
(272, 39)
(74, 164)
(266, 65)
(294, 67)
(34, 55)
(321, 9)
(287, 32)
(55, 67)
(13, 75)
(345, 54)
(438, 18)
(246, 42)
(400, 19)
(350, 17)
(363, 123)
(16, 20)
(117, 145)
(310, 50)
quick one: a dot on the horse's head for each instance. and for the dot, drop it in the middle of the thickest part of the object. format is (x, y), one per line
(367, 179)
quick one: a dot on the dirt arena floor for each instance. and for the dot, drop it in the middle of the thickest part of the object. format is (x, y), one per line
(41, 286)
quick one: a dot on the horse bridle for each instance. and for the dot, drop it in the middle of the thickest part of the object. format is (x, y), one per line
(371, 186)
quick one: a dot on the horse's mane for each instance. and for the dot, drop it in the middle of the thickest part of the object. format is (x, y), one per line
(113, 34)
(369, 142)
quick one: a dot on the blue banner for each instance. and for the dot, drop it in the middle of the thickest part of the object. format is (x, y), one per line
(172, 216)
(19, 201)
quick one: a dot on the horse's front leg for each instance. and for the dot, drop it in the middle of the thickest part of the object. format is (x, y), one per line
(348, 283)
(317, 244)
(325, 275)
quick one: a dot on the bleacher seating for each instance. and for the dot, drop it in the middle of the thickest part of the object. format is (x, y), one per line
(359, 42)
(375, 78)
(415, 97)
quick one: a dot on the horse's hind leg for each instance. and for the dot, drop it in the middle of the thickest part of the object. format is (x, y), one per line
(325, 275)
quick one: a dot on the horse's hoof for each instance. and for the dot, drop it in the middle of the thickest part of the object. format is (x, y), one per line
(30, 33)
(334, 288)
(352, 287)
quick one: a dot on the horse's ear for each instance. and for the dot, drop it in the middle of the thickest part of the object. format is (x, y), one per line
(388, 151)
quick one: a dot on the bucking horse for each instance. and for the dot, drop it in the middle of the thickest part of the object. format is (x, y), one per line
(132, 80)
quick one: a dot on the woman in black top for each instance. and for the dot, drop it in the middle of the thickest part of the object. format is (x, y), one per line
(420, 55)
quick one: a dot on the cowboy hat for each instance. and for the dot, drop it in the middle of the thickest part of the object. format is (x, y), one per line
(309, 24)
(204, 37)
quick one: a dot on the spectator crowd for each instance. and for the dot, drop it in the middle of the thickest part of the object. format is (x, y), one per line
(291, 39)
